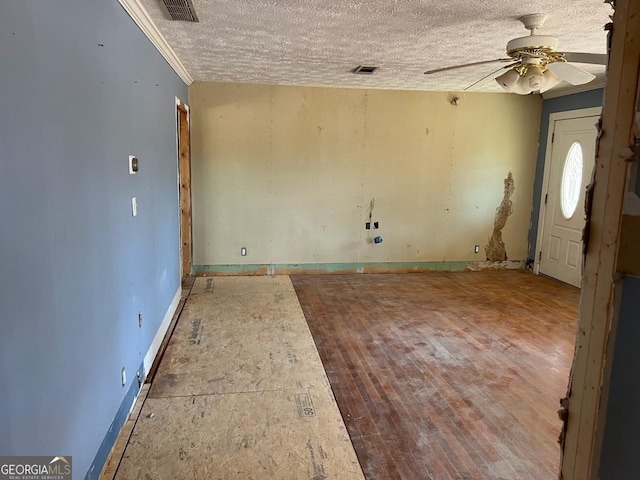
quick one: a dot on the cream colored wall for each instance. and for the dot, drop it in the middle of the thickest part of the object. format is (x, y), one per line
(289, 172)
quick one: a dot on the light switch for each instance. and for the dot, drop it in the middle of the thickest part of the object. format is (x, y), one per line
(134, 206)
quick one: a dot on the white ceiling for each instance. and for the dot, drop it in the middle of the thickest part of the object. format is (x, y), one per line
(319, 42)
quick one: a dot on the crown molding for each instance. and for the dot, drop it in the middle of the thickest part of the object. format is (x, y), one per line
(140, 15)
(571, 89)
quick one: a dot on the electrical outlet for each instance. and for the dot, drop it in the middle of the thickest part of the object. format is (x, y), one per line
(134, 206)
(375, 225)
(139, 378)
(476, 249)
(124, 377)
(243, 251)
(139, 319)
(133, 165)
(367, 226)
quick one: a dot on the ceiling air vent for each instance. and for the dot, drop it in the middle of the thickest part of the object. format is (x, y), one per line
(180, 10)
(364, 70)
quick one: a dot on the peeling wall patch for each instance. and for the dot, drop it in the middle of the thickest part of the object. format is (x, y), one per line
(495, 249)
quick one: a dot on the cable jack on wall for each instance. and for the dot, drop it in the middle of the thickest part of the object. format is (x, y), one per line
(376, 225)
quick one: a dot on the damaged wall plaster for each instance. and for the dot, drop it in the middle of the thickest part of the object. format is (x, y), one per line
(495, 249)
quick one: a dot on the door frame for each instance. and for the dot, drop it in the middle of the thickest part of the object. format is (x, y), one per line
(183, 147)
(553, 118)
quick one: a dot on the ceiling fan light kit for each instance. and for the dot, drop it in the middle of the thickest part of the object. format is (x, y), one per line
(534, 78)
(508, 79)
(528, 78)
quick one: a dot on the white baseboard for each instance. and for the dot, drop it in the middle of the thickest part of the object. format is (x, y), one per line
(157, 340)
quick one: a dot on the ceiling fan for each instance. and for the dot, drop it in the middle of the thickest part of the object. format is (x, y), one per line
(536, 64)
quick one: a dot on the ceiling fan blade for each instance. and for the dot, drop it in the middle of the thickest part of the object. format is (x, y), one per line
(594, 58)
(570, 73)
(454, 67)
(490, 76)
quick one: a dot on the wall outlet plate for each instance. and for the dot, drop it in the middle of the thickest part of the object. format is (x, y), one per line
(139, 319)
(476, 249)
(133, 165)
(123, 376)
(134, 206)
(243, 251)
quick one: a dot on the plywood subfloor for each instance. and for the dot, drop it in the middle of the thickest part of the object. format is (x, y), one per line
(240, 394)
(446, 375)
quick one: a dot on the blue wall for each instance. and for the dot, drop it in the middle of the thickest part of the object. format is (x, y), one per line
(592, 98)
(82, 88)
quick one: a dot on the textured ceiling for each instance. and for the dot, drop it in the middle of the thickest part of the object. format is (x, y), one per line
(319, 42)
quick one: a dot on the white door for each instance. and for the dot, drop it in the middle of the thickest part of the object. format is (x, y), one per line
(569, 170)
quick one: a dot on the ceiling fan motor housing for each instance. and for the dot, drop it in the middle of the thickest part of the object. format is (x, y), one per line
(533, 45)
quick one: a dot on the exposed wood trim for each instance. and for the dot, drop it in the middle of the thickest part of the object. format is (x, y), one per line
(140, 15)
(553, 118)
(588, 387)
(184, 179)
(571, 89)
(181, 105)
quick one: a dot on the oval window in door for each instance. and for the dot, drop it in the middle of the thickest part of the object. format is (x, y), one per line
(571, 181)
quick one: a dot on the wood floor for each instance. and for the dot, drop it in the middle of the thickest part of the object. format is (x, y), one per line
(446, 375)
